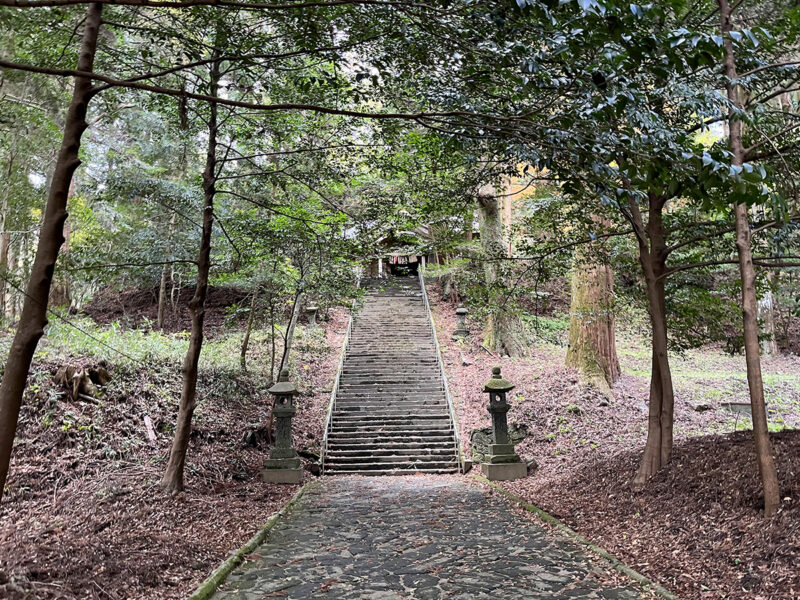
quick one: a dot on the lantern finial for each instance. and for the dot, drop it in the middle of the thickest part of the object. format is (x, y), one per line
(497, 384)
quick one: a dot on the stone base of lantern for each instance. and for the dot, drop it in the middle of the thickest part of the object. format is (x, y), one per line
(282, 470)
(460, 334)
(507, 471)
(502, 453)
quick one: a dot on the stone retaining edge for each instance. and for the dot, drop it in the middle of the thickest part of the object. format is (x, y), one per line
(218, 576)
(615, 563)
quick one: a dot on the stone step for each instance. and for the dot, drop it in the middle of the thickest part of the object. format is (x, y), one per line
(382, 426)
(377, 398)
(400, 435)
(399, 468)
(388, 379)
(395, 410)
(386, 452)
(412, 429)
(373, 458)
(411, 350)
(401, 331)
(370, 340)
(387, 365)
(362, 417)
(389, 389)
(376, 405)
(350, 384)
(406, 359)
(361, 445)
(395, 357)
(358, 443)
(405, 393)
(348, 416)
(394, 399)
(385, 368)
(415, 331)
(390, 473)
(399, 402)
(408, 328)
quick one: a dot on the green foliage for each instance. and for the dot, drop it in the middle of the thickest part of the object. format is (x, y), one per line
(550, 330)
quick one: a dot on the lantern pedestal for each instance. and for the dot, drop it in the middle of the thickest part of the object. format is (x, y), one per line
(311, 311)
(502, 453)
(283, 464)
(461, 331)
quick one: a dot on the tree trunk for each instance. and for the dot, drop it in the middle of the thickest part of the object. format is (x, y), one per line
(505, 332)
(272, 338)
(34, 312)
(447, 282)
(661, 412)
(592, 344)
(250, 318)
(289, 336)
(162, 297)
(162, 288)
(13, 266)
(766, 315)
(766, 463)
(5, 271)
(5, 237)
(173, 477)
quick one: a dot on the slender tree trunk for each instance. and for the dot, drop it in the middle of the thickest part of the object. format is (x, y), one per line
(6, 270)
(250, 318)
(34, 312)
(5, 237)
(766, 463)
(273, 337)
(653, 254)
(13, 266)
(162, 288)
(505, 332)
(592, 342)
(173, 477)
(766, 315)
(287, 344)
(289, 336)
(162, 297)
(447, 283)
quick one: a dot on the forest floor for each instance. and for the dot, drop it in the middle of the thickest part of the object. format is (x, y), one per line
(84, 516)
(696, 527)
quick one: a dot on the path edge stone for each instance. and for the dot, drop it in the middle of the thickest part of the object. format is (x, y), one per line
(616, 564)
(218, 576)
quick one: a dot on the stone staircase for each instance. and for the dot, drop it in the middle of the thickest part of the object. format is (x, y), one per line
(390, 414)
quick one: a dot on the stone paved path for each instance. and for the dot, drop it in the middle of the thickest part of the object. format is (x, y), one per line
(423, 537)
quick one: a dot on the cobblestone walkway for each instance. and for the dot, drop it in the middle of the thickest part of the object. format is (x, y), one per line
(423, 537)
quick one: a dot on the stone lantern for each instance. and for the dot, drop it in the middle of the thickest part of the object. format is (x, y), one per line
(461, 323)
(283, 464)
(502, 463)
(311, 311)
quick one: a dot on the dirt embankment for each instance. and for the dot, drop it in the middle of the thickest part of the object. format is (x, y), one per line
(697, 526)
(84, 516)
(135, 307)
